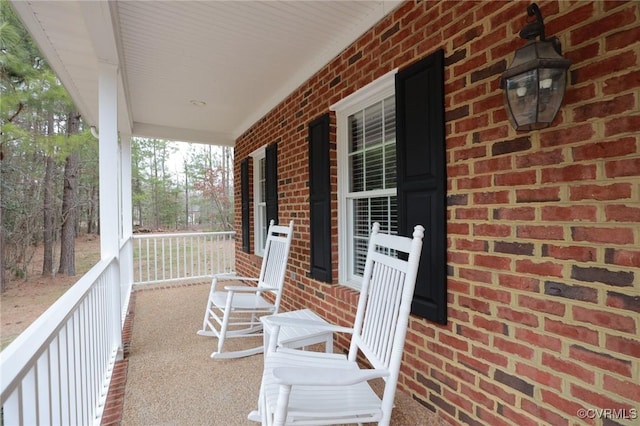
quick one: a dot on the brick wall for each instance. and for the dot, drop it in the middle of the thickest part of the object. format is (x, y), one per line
(543, 227)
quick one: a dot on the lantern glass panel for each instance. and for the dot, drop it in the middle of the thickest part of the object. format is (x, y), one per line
(522, 97)
(552, 85)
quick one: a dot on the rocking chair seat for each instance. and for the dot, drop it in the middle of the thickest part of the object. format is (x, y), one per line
(243, 301)
(321, 374)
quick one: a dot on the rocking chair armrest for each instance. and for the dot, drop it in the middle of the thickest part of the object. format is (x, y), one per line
(247, 288)
(232, 277)
(220, 278)
(280, 321)
(225, 276)
(318, 376)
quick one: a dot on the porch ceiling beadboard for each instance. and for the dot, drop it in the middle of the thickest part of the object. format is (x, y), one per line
(239, 58)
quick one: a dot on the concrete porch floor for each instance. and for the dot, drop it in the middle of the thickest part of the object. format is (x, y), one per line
(167, 377)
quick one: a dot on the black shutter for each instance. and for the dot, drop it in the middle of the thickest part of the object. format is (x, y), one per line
(244, 190)
(422, 177)
(271, 160)
(320, 199)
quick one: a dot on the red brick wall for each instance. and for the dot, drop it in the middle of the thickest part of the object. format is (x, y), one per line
(543, 227)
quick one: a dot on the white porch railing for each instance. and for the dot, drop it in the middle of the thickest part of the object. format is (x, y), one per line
(178, 257)
(58, 370)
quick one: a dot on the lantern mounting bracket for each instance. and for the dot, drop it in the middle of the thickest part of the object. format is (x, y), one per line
(535, 28)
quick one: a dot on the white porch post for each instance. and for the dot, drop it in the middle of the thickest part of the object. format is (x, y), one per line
(126, 246)
(109, 158)
(127, 213)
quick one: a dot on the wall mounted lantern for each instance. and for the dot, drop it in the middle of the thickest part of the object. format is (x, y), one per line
(534, 84)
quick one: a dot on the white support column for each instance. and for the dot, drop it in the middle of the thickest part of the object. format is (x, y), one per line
(109, 159)
(109, 171)
(126, 201)
(126, 245)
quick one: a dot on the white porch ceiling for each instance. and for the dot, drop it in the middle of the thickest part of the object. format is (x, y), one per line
(240, 58)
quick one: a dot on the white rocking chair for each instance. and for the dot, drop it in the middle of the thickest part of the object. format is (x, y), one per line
(236, 310)
(315, 388)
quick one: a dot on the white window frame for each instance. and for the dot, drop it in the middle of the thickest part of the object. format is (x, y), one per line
(372, 93)
(259, 209)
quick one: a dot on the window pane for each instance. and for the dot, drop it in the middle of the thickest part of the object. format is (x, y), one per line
(262, 196)
(390, 166)
(361, 229)
(367, 211)
(380, 212)
(393, 215)
(361, 220)
(357, 172)
(359, 255)
(373, 125)
(264, 226)
(356, 132)
(390, 141)
(375, 166)
(390, 120)
(260, 205)
(384, 210)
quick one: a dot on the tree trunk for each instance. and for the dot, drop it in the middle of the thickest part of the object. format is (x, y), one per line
(186, 195)
(156, 201)
(91, 214)
(69, 207)
(48, 216)
(138, 203)
(68, 231)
